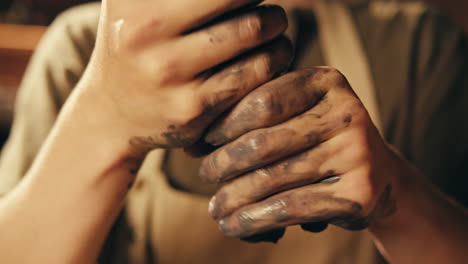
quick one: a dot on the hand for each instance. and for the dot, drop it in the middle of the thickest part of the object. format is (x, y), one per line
(164, 73)
(300, 150)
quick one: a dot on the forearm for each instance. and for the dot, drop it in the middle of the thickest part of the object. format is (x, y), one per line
(63, 209)
(427, 227)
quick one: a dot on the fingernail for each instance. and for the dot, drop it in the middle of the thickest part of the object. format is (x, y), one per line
(204, 171)
(211, 205)
(208, 168)
(226, 227)
(223, 226)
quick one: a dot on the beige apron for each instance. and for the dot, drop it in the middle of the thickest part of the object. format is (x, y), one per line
(175, 225)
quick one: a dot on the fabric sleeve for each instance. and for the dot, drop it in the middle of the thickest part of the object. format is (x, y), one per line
(439, 123)
(54, 69)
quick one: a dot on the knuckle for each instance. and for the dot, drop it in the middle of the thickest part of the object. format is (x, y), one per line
(140, 34)
(165, 71)
(264, 66)
(265, 101)
(282, 210)
(257, 143)
(264, 179)
(335, 76)
(331, 77)
(217, 101)
(361, 146)
(353, 111)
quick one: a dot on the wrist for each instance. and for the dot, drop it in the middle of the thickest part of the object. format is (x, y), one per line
(88, 141)
(426, 226)
(405, 195)
(80, 177)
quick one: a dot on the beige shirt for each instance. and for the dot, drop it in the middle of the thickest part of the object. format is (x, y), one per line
(162, 223)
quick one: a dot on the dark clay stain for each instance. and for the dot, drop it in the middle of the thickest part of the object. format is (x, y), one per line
(200, 149)
(241, 149)
(313, 138)
(330, 180)
(178, 138)
(272, 110)
(133, 171)
(286, 166)
(342, 82)
(187, 134)
(173, 139)
(216, 138)
(130, 184)
(144, 144)
(214, 108)
(218, 206)
(271, 236)
(247, 157)
(343, 212)
(348, 119)
(386, 206)
(315, 227)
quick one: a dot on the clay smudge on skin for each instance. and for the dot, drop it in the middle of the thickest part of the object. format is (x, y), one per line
(271, 105)
(255, 150)
(187, 134)
(278, 212)
(348, 119)
(386, 206)
(215, 207)
(330, 178)
(279, 178)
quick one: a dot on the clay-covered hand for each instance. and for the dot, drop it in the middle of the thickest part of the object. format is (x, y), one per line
(301, 149)
(164, 70)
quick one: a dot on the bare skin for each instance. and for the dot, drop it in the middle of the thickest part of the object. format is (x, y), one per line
(300, 159)
(150, 83)
(155, 52)
(317, 159)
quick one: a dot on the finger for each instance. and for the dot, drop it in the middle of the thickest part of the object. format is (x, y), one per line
(187, 15)
(271, 104)
(222, 42)
(309, 204)
(298, 170)
(150, 20)
(322, 164)
(263, 146)
(226, 87)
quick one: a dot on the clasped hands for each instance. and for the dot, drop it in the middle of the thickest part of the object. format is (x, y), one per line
(292, 149)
